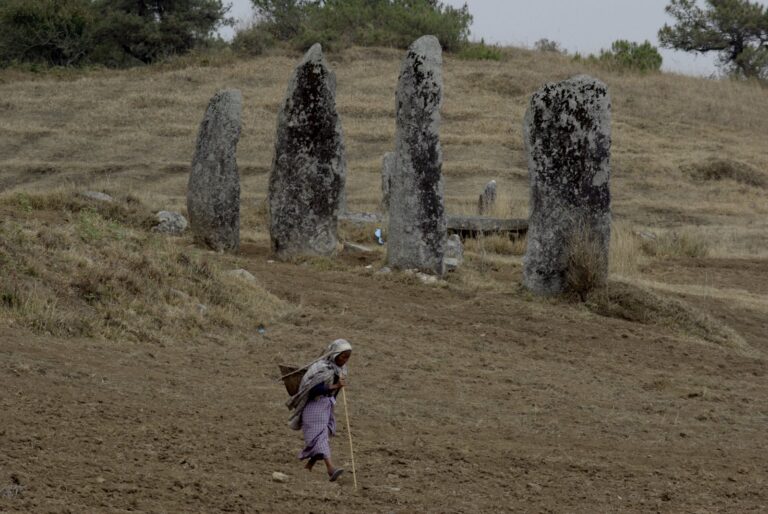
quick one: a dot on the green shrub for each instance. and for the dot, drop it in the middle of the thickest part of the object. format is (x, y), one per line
(111, 32)
(481, 52)
(253, 40)
(626, 55)
(53, 32)
(547, 45)
(130, 32)
(283, 19)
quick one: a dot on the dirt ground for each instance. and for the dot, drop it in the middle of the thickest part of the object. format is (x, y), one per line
(486, 401)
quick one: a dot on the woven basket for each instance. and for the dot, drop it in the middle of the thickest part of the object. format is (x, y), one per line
(292, 378)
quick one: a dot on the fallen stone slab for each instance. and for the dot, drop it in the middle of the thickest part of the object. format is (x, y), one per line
(472, 226)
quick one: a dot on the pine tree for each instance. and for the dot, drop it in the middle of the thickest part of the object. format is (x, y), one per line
(736, 29)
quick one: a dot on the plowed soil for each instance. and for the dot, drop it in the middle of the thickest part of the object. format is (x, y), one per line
(486, 401)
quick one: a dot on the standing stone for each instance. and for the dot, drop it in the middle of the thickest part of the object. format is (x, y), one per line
(487, 200)
(567, 133)
(387, 171)
(417, 229)
(306, 186)
(213, 192)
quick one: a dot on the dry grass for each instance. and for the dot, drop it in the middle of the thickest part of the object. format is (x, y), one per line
(132, 133)
(626, 255)
(586, 266)
(685, 243)
(73, 267)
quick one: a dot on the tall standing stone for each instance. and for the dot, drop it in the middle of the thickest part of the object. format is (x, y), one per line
(213, 191)
(567, 134)
(417, 230)
(487, 200)
(387, 171)
(306, 186)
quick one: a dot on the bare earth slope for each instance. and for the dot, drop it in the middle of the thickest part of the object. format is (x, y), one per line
(459, 403)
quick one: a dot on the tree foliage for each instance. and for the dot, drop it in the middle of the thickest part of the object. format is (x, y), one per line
(151, 30)
(111, 32)
(343, 23)
(736, 29)
(57, 32)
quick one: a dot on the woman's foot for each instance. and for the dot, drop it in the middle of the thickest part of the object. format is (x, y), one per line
(336, 473)
(311, 462)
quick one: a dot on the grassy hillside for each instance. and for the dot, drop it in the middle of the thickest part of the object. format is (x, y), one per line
(140, 381)
(126, 130)
(689, 159)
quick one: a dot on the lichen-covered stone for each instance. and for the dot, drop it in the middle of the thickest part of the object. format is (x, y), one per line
(417, 229)
(171, 223)
(454, 252)
(213, 192)
(306, 186)
(567, 134)
(387, 171)
(487, 200)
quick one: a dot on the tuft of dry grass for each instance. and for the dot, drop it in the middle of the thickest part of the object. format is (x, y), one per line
(73, 267)
(626, 254)
(727, 169)
(685, 243)
(638, 304)
(586, 265)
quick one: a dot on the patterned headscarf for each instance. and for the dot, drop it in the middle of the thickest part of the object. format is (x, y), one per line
(322, 370)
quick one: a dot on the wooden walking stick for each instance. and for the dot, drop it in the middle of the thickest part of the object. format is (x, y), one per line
(349, 431)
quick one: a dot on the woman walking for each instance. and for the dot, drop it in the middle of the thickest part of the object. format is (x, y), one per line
(313, 405)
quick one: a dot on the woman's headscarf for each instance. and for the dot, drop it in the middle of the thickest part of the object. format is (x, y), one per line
(322, 370)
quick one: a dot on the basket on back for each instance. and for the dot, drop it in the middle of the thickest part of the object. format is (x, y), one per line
(292, 378)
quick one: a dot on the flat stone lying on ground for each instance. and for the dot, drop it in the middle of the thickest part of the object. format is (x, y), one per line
(417, 229)
(487, 200)
(306, 185)
(474, 226)
(568, 141)
(213, 192)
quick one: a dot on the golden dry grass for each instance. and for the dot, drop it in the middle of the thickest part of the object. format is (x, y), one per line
(132, 133)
